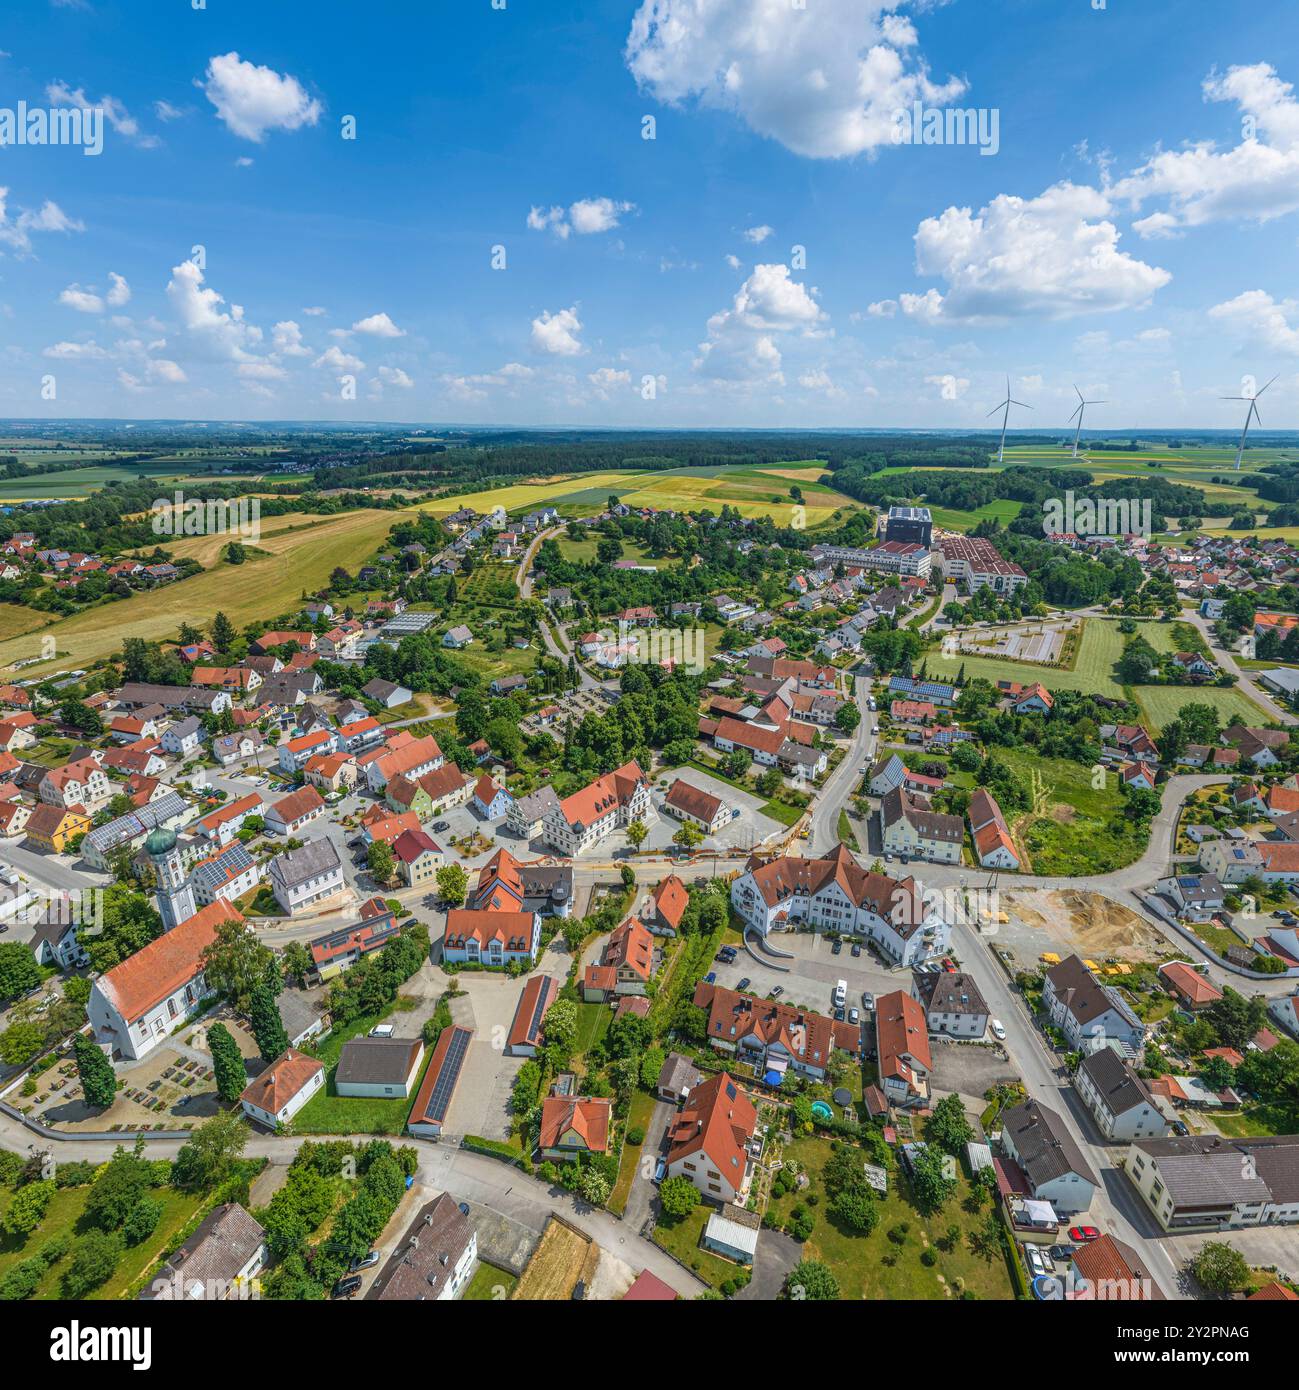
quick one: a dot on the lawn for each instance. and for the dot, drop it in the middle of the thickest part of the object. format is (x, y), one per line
(639, 1114)
(858, 1261)
(1073, 829)
(490, 1284)
(1093, 669)
(329, 1113)
(65, 1214)
(681, 1238)
(592, 1024)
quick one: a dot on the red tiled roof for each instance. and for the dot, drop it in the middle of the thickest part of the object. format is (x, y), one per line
(718, 1120)
(589, 1119)
(163, 966)
(281, 1081)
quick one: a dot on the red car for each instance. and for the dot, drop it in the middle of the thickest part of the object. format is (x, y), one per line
(1083, 1234)
(949, 966)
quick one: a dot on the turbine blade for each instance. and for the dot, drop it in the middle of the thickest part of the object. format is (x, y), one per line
(1077, 392)
(1257, 394)
(1077, 415)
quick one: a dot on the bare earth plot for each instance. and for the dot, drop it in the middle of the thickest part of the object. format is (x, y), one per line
(1068, 921)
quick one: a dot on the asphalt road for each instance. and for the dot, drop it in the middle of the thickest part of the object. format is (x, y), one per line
(844, 780)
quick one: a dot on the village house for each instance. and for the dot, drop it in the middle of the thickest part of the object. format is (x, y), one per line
(275, 1095)
(909, 828)
(579, 822)
(307, 877)
(711, 1141)
(902, 1050)
(573, 1126)
(1090, 1015)
(1041, 1145)
(1118, 1098)
(771, 1036)
(695, 807)
(625, 966)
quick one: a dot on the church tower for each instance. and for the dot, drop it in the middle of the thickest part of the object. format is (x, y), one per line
(175, 896)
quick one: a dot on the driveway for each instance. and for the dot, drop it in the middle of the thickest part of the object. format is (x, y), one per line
(777, 1255)
(640, 1201)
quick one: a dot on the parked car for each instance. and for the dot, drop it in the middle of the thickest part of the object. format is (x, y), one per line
(867, 999)
(1062, 1253)
(1038, 1263)
(836, 947)
(660, 1168)
(744, 983)
(839, 1015)
(1084, 1235)
(777, 991)
(711, 978)
(998, 1029)
(853, 1016)
(949, 966)
(347, 1288)
(364, 1262)
(888, 856)
(856, 948)
(441, 825)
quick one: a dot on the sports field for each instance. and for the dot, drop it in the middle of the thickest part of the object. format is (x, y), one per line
(297, 561)
(750, 491)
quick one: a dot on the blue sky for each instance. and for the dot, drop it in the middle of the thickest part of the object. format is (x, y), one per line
(772, 257)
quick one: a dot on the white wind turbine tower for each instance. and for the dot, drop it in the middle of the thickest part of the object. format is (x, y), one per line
(1005, 405)
(1250, 415)
(1082, 405)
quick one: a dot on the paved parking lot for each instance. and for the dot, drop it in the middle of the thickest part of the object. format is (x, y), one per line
(968, 1068)
(812, 974)
(481, 1104)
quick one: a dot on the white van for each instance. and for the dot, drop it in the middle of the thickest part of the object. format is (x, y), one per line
(840, 994)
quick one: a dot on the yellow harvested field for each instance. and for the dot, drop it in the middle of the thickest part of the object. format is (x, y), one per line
(266, 585)
(561, 1258)
(750, 491)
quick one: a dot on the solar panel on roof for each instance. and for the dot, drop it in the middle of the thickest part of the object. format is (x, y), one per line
(543, 995)
(452, 1063)
(730, 1091)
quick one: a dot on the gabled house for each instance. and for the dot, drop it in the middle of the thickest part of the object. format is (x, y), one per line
(902, 1049)
(1118, 1098)
(1036, 1139)
(1090, 1015)
(711, 1141)
(625, 966)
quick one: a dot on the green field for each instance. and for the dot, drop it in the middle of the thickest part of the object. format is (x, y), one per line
(1160, 703)
(1073, 829)
(296, 561)
(953, 519)
(81, 482)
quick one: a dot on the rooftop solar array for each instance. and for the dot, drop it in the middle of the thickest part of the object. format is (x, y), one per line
(448, 1074)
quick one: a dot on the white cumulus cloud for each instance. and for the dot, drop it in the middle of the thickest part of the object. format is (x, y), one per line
(1053, 256)
(254, 100)
(557, 333)
(1258, 319)
(215, 332)
(823, 79)
(1257, 179)
(378, 326)
(586, 217)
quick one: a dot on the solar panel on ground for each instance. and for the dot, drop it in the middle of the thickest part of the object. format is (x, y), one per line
(436, 1109)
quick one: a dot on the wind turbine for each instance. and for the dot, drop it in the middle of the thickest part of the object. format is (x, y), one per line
(1082, 405)
(1250, 415)
(1005, 405)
